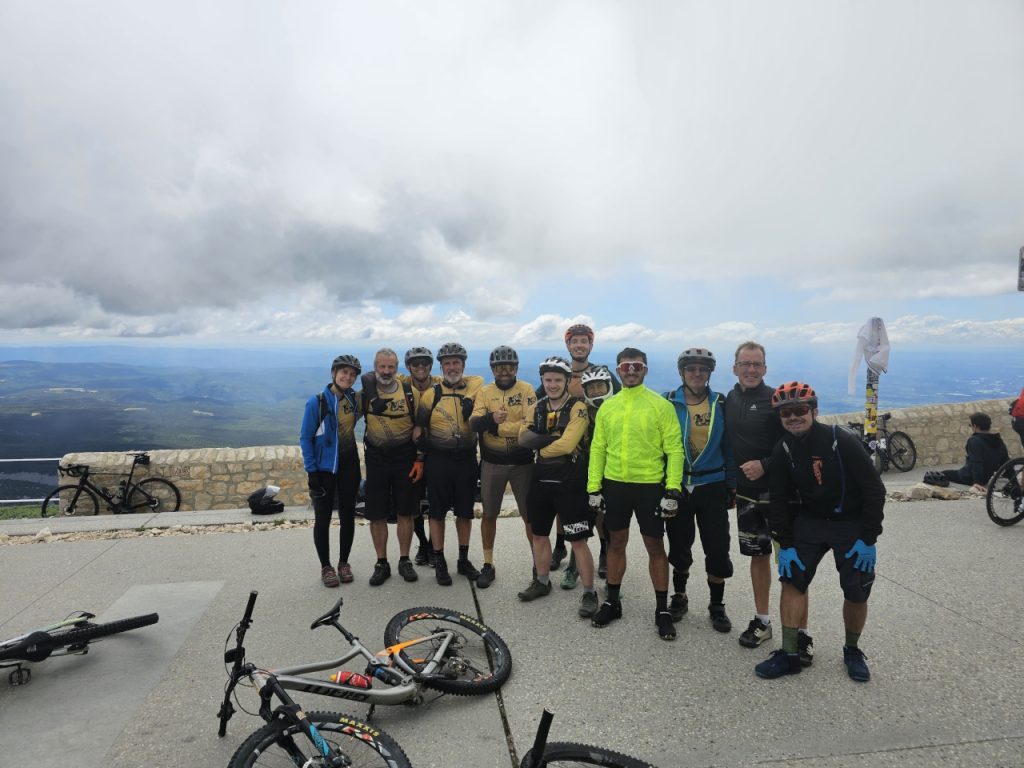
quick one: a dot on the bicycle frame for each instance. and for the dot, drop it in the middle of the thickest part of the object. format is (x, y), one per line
(71, 621)
(115, 501)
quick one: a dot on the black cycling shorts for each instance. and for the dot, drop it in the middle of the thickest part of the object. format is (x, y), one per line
(568, 500)
(451, 485)
(623, 500)
(387, 484)
(813, 537)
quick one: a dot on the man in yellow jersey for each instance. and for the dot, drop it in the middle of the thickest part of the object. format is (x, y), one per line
(636, 463)
(709, 479)
(418, 362)
(390, 458)
(556, 428)
(579, 341)
(497, 417)
(450, 448)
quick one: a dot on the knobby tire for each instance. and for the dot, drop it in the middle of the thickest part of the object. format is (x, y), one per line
(86, 504)
(489, 662)
(365, 745)
(564, 754)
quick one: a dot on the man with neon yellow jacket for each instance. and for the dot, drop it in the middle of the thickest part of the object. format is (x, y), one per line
(636, 465)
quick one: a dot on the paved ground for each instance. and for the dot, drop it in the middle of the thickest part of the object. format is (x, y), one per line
(943, 638)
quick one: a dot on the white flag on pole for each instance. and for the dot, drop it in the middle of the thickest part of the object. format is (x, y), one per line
(873, 346)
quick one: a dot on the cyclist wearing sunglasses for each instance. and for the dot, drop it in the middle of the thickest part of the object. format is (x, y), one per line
(579, 341)
(636, 463)
(709, 480)
(418, 362)
(840, 509)
(497, 417)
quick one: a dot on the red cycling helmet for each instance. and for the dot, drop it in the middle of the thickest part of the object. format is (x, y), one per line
(794, 393)
(579, 329)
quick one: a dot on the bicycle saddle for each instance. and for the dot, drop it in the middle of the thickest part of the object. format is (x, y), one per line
(329, 617)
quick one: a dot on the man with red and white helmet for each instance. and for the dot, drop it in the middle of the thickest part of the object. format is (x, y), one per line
(841, 501)
(579, 342)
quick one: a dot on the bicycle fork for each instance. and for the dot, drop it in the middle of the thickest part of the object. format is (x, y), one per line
(291, 712)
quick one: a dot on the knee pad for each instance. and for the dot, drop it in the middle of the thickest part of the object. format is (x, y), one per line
(719, 566)
(681, 561)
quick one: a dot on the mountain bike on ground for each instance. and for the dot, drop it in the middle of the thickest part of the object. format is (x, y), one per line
(154, 494)
(564, 754)
(427, 648)
(63, 638)
(888, 448)
(1004, 495)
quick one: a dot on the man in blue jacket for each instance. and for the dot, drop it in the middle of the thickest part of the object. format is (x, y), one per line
(709, 486)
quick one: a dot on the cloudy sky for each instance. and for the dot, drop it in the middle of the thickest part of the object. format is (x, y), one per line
(677, 173)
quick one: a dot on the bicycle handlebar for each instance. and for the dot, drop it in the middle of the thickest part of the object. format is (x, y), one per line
(235, 656)
(73, 470)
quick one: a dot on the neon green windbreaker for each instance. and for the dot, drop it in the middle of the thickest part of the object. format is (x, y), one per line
(637, 433)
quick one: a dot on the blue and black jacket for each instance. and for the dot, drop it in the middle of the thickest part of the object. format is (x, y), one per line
(715, 463)
(318, 436)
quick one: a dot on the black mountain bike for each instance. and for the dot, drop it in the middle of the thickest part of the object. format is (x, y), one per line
(1004, 496)
(890, 448)
(154, 494)
(62, 638)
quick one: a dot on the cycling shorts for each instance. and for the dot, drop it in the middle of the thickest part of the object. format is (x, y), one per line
(493, 480)
(567, 500)
(451, 485)
(813, 537)
(623, 500)
(387, 484)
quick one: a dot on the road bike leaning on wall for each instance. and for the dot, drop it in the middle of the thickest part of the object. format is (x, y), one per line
(1004, 496)
(891, 448)
(427, 648)
(63, 638)
(154, 494)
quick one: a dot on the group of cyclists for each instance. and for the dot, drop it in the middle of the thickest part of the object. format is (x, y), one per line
(585, 453)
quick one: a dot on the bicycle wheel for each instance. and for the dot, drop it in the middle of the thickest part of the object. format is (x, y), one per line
(156, 494)
(1004, 499)
(86, 633)
(564, 754)
(476, 661)
(902, 453)
(284, 744)
(85, 504)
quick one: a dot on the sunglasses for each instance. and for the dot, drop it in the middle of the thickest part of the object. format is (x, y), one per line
(420, 363)
(696, 369)
(632, 367)
(794, 411)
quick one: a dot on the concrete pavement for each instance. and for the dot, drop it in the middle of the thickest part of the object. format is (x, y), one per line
(943, 637)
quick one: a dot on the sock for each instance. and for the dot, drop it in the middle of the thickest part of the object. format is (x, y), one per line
(661, 600)
(488, 557)
(765, 619)
(717, 592)
(543, 579)
(403, 558)
(803, 631)
(613, 592)
(679, 581)
(463, 552)
(852, 638)
(589, 589)
(789, 644)
(382, 561)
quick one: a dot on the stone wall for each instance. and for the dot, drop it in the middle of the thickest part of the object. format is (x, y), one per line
(222, 478)
(940, 431)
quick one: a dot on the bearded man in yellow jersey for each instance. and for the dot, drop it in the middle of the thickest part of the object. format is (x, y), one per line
(497, 418)
(449, 445)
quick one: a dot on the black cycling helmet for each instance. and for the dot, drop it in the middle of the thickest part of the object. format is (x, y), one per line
(501, 355)
(556, 364)
(697, 355)
(346, 361)
(418, 353)
(452, 349)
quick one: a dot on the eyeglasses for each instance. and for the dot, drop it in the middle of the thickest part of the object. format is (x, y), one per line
(696, 369)
(632, 367)
(750, 366)
(794, 411)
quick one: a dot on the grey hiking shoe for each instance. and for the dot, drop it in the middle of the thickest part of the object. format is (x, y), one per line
(588, 605)
(535, 590)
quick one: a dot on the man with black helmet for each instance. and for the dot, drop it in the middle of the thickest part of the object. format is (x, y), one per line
(497, 417)
(331, 460)
(449, 444)
(418, 362)
(840, 510)
(709, 484)
(636, 462)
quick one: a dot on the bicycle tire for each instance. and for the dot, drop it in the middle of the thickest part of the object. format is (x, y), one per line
(902, 451)
(156, 494)
(85, 504)
(88, 632)
(478, 667)
(566, 754)
(1004, 497)
(365, 745)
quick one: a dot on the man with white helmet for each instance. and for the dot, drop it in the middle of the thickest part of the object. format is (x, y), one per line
(556, 427)
(497, 418)
(418, 362)
(449, 444)
(709, 486)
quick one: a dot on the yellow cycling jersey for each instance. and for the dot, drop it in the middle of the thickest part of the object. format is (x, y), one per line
(389, 423)
(572, 439)
(700, 421)
(417, 393)
(447, 424)
(636, 440)
(499, 444)
(349, 412)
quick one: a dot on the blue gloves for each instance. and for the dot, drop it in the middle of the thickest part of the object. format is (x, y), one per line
(865, 556)
(787, 557)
